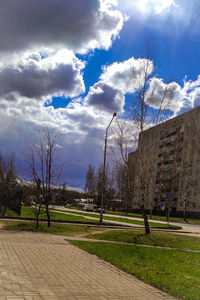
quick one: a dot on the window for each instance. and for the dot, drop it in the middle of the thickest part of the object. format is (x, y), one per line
(171, 133)
(188, 194)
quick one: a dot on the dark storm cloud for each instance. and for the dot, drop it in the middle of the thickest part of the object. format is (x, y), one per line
(34, 80)
(104, 97)
(25, 24)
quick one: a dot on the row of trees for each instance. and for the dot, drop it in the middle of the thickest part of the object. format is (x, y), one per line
(115, 186)
(94, 184)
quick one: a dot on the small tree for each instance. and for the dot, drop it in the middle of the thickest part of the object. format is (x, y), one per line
(123, 185)
(90, 185)
(10, 191)
(108, 187)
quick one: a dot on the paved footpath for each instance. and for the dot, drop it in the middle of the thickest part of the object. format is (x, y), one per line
(187, 228)
(37, 266)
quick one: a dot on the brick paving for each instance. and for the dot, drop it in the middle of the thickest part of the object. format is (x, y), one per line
(37, 266)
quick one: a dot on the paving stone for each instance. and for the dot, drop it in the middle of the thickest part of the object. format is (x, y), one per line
(37, 266)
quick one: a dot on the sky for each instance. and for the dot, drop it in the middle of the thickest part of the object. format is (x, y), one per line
(69, 65)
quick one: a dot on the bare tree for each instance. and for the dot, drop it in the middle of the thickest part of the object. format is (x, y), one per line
(147, 107)
(45, 169)
(148, 96)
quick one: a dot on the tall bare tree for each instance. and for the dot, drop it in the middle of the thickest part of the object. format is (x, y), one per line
(44, 168)
(147, 107)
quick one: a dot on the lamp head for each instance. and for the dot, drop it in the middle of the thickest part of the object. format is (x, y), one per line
(114, 115)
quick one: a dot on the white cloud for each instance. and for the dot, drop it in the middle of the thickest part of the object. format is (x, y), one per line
(146, 6)
(176, 98)
(127, 75)
(168, 95)
(121, 78)
(81, 129)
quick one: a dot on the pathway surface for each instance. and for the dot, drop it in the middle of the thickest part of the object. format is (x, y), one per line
(187, 229)
(37, 266)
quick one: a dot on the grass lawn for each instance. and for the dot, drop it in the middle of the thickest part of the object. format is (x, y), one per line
(151, 224)
(10, 213)
(78, 213)
(28, 212)
(60, 229)
(118, 219)
(154, 217)
(173, 271)
(162, 239)
(159, 218)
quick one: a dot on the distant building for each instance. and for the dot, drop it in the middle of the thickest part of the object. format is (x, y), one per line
(167, 165)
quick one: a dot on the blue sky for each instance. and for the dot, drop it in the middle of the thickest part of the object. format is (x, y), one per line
(69, 65)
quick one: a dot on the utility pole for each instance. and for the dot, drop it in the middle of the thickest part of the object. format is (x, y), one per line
(104, 170)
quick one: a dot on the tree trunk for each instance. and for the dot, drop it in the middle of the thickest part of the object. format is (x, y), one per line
(184, 212)
(167, 212)
(48, 216)
(146, 222)
(3, 211)
(37, 222)
(37, 217)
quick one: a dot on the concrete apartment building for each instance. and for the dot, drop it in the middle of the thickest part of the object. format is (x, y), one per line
(165, 170)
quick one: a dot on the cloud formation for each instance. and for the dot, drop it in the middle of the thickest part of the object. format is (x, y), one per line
(169, 95)
(42, 39)
(80, 128)
(78, 25)
(146, 6)
(127, 75)
(35, 77)
(105, 98)
(121, 78)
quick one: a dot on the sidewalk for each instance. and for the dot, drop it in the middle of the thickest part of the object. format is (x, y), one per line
(36, 266)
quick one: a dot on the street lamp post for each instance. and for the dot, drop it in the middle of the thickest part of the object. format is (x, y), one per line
(104, 170)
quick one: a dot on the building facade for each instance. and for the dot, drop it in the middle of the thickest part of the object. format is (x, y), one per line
(165, 170)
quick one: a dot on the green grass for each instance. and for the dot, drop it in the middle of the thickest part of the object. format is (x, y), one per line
(162, 239)
(28, 212)
(122, 213)
(154, 217)
(77, 213)
(75, 207)
(60, 229)
(173, 271)
(138, 222)
(10, 213)
(159, 218)
(118, 219)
